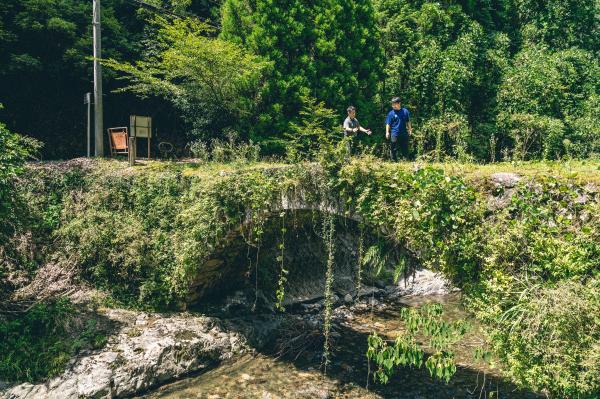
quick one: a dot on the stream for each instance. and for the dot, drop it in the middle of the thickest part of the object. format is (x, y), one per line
(269, 374)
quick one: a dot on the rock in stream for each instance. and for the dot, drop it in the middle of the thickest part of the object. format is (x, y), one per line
(148, 350)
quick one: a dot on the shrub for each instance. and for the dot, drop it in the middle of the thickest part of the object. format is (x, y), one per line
(315, 133)
(200, 150)
(548, 337)
(534, 136)
(444, 136)
(538, 294)
(14, 151)
(118, 231)
(226, 151)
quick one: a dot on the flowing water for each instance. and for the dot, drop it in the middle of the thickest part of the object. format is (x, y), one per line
(265, 376)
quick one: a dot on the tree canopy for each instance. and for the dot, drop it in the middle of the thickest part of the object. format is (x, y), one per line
(484, 79)
(212, 82)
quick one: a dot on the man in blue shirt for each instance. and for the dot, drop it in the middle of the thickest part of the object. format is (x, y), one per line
(398, 128)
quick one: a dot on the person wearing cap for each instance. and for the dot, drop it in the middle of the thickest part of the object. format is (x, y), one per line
(352, 127)
(397, 129)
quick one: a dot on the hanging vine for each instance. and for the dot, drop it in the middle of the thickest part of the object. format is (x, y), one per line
(283, 272)
(253, 239)
(328, 236)
(361, 238)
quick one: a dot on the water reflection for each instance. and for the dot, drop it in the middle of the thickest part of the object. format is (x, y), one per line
(263, 376)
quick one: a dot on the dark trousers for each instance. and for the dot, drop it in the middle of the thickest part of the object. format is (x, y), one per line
(349, 139)
(399, 142)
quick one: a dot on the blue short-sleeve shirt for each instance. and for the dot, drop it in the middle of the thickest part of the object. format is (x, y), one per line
(397, 121)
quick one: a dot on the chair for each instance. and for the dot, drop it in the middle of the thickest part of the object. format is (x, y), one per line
(119, 141)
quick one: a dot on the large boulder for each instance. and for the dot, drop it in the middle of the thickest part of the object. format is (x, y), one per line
(148, 350)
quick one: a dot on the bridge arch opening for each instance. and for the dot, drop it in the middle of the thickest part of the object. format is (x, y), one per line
(293, 239)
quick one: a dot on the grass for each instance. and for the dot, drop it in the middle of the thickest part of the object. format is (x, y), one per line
(582, 171)
(579, 170)
(587, 171)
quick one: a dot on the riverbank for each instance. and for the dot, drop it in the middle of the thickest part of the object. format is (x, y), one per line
(147, 350)
(251, 356)
(299, 375)
(143, 351)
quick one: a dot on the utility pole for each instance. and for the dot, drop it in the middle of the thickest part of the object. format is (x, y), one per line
(88, 101)
(98, 111)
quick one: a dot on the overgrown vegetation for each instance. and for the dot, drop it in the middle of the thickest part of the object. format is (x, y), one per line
(528, 268)
(39, 343)
(538, 289)
(484, 81)
(15, 150)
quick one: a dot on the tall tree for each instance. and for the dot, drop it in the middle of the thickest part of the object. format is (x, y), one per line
(561, 24)
(210, 81)
(326, 49)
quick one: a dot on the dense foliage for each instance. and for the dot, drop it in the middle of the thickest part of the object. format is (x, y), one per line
(539, 288)
(15, 150)
(529, 270)
(547, 99)
(327, 49)
(484, 80)
(309, 138)
(493, 77)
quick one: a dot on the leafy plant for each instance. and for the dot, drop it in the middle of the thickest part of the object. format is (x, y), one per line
(15, 150)
(200, 150)
(314, 134)
(407, 352)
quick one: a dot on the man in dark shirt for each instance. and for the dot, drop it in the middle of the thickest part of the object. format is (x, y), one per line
(397, 129)
(352, 126)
